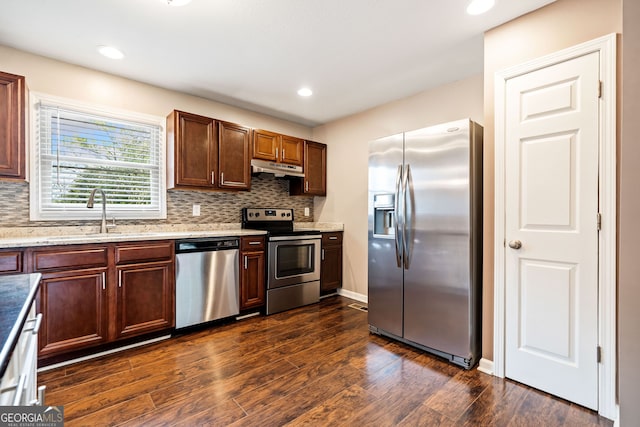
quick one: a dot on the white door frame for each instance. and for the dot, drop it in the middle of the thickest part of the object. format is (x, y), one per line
(607, 278)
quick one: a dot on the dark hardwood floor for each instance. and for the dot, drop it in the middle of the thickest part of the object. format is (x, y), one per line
(316, 365)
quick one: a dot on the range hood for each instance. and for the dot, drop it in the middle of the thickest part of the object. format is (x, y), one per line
(278, 169)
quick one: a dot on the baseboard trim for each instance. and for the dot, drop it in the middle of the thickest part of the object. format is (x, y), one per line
(353, 295)
(102, 353)
(486, 366)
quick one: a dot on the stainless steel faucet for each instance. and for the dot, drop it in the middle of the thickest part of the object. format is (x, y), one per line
(103, 224)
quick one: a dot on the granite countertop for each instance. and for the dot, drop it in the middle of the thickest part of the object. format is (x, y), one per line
(74, 237)
(48, 236)
(17, 293)
(319, 226)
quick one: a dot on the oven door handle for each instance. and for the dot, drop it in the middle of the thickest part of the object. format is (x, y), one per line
(295, 239)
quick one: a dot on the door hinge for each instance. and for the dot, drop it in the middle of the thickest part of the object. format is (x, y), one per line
(599, 221)
(599, 354)
(599, 88)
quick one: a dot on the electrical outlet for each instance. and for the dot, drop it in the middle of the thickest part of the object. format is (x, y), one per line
(306, 212)
(196, 210)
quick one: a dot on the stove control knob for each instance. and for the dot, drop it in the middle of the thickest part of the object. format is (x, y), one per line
(288, 213)
(282, 214)
(250, 214)
(257, 214)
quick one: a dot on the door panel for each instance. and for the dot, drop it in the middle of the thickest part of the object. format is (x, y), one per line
(437, 282)
(385, 274)
(551, 202)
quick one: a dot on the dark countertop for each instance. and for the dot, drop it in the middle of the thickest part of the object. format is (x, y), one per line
(17, 292)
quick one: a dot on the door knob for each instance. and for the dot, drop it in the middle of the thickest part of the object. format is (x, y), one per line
(515, 244)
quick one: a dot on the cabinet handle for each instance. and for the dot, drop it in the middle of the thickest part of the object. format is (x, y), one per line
(323, 255)
(254, 243)
(221, 178)
(213, 178)
(277, 153)
(333, 237)
(306, 186)
(120, 278)
(104, 280)
(283, 155)
(245, 262)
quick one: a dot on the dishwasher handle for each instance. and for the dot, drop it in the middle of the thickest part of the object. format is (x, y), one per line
(207, 245)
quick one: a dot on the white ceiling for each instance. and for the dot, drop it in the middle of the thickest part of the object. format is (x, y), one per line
(255, 54)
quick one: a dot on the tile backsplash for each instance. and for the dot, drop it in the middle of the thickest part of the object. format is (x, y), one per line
(215, 207)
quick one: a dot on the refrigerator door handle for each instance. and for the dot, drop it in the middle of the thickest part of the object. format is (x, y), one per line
(396, 206)
(407, 190)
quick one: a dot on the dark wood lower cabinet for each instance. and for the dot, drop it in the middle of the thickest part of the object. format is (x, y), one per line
(145, 298)
(74, 307)
(252, 272)
(331, 266)
(98, 294)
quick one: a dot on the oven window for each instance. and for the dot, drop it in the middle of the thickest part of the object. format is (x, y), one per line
(294, 260)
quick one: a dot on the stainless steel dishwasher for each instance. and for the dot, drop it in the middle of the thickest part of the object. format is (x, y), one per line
(207, 280)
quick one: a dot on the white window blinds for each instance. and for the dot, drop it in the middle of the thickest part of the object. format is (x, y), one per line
(78, 151)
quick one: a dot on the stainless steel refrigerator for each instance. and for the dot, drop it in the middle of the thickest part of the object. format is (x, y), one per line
(425, 239)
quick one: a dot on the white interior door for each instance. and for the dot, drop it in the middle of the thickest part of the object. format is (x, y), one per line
(551, 203)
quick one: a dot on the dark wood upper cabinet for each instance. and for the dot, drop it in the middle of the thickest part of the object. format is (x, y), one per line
(12, 126)
(279, 148)
(291, 150)
(207, 154)
(234, 156)
(265, 144)
(192, 151)
(314, 182)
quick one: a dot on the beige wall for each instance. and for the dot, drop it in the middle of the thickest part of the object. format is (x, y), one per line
(69, 81)
(560, 25)
(347, 157)
(629, 214)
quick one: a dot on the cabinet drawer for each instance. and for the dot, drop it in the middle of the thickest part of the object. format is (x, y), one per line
(66, 258)
(252, 243)
(137, 252)
(11, 262)
(333, 238)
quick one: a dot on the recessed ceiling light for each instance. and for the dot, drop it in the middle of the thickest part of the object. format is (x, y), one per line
(177, 2)
(110, 52)
(305, 91)
(478, 7)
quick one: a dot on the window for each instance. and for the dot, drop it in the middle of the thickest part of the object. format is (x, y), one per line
(78, 148)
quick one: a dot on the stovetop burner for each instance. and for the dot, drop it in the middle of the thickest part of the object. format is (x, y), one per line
(277, 222)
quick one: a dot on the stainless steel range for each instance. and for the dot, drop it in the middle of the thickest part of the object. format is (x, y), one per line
(293, 259)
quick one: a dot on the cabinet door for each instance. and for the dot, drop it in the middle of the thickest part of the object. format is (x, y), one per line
(74, 307)
(235, 156)
(331, 268)
(252, 280)
(10, 262)
(315, 168)
(265, 145)
(144, 298)
(196, 151)
(314, 182)
(12, 140)
(291, 150)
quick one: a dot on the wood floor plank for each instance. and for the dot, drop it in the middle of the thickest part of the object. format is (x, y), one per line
(336, 410)
(222, 384)
(286, 409)
(105, 397)
(459, 393)
(315, 365)
(115, 414)
(496, 406)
